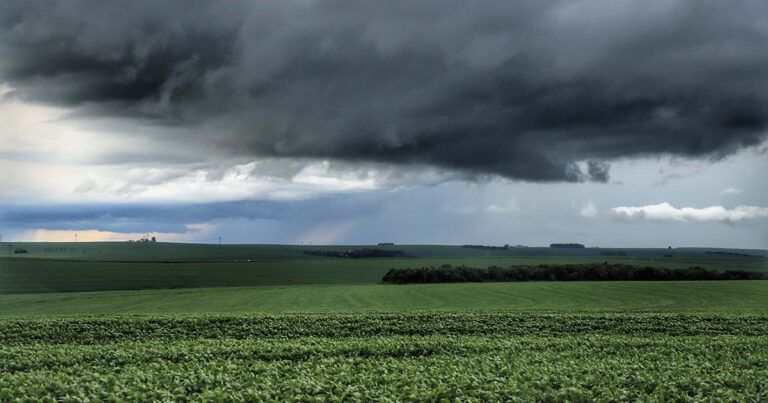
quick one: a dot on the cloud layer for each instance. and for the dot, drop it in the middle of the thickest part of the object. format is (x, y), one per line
(540, 91)
(667, 212)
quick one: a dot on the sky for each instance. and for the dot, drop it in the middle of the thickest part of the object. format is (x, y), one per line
(608, 123)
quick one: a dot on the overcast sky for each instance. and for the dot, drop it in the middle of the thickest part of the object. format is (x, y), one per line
(610, 123)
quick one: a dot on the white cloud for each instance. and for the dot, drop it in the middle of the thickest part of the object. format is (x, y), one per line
(64, 183)
(667, 212)
(49, 155)
(730, 191)
(589, 210)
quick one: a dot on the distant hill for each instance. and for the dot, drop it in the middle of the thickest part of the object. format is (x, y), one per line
(189, 252)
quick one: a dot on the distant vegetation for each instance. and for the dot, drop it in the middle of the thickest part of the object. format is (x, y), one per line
(178, 252)
(486, 247)
(566, 245)
(357, 253)
(144, 239)
(581, 272)
(731, 254)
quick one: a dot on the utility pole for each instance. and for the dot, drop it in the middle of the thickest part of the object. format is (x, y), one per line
(219, 241)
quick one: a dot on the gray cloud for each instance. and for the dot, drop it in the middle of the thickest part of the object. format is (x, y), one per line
(598, 171)
(524, 90)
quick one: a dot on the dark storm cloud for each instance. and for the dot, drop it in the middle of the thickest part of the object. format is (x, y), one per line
(523, 89)
(598, 170)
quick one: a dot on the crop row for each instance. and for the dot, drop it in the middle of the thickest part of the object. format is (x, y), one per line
(394, 368)
(86, 330)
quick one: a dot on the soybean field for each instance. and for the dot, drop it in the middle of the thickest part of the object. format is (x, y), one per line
(387, 357)
(176, 322)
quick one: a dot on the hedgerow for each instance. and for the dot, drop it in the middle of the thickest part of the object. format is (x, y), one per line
(562, 272)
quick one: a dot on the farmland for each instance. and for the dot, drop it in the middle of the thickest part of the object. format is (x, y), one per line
(67, 267)
(364, 357)
(636, 296)
(181, 252)
(242, 323)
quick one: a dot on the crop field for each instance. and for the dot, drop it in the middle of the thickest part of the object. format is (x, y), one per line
(54, 275)
(387, 357)
(175, 322)
(68, 267)
(607, 296)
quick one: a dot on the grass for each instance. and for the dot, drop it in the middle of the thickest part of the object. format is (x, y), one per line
(676, 296)
(387, 357)
(54, 275)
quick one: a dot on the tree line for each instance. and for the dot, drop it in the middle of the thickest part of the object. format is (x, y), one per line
(566, 272)
(567, 245)
(486, 247)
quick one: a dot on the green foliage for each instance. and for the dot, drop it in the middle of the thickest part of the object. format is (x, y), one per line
(99, 330)
(669, 296)
(565, 272)
(387, 357)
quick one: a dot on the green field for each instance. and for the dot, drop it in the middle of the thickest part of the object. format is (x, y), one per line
(137, 266)
(630, 296)
(387, 357)
(180, 252)
(170, 322)
(53, 275)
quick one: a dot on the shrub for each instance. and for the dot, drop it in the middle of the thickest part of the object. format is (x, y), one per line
(568, 272)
